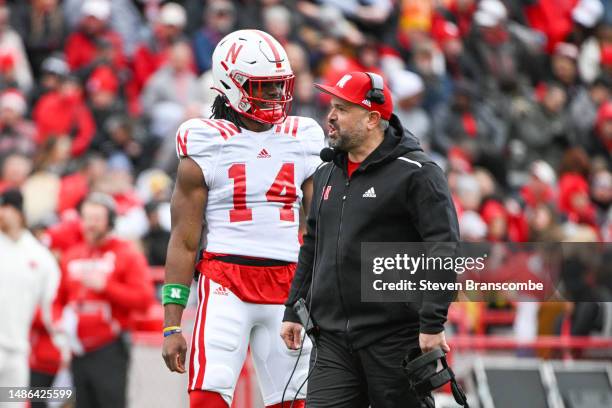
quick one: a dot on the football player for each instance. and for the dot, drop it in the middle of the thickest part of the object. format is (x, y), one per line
(245, 172)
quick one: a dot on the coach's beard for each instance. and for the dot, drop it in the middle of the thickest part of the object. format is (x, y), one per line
(337, 140)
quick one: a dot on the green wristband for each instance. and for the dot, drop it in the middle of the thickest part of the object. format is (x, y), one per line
(175, 293)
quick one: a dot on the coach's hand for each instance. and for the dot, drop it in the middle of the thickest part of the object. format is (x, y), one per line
(428, 342)
(291, 334)
(174, 352)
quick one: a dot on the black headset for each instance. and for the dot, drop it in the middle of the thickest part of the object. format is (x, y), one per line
(424, 377)
(376, 93)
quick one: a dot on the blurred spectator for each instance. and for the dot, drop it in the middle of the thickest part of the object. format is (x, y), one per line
(53, 156)
(428, 63)
(601, 194)
(155, 185)
(416, 16)
(17, 134)
(539, 189)
(544, 224)
(486, 183)
(467, 193)
(460, 65)
(62, 114)
(94, 42)
(63, 235)
(41, 25)
(503, 223)
(46, 359)
(219, 19)
(52, 73)
(15, 171)
(472, 126)
(564, 68)
(407, 88)
(501, 56)
(305, 101)
(277, 23)
(541, 130)
(41, 183)
(76, 186)
(15, 71)
(599, 143)
(574, 199)
(150, 56)
(118, 182)
(125, 19)
(155, 241)
(586, 15)
(461, 12)
(371, 16)
(123, 140)
(551, 17)
(472, 227)
(170, 91)
(595, 56)
(584, 106)
(104, 103)
(106, 282)
(29, 278)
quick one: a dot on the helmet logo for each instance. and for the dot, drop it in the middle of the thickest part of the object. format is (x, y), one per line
(240, 78)
(233, 53)
(343, 81)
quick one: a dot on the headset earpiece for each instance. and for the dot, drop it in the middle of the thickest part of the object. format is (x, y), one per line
(376, 93)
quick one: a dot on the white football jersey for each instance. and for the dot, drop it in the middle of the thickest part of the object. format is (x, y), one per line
(254, 182)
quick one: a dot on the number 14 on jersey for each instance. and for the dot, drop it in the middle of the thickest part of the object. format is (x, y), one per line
(281, 191)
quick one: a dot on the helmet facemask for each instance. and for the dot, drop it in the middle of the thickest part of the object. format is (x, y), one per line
(256, 103)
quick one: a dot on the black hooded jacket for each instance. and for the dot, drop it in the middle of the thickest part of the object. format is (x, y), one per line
(407, 200)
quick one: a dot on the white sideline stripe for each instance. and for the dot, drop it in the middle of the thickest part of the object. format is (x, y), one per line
(410, 161)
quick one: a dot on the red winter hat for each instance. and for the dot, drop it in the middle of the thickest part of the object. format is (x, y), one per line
(103, 79)
(354, 87)
(603, 114)
(606, 55)
(569, 185)
(443, 31)
(493, 209)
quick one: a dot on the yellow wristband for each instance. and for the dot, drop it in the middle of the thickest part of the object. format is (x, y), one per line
(170, 328)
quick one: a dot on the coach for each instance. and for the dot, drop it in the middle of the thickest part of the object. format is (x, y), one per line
(378, 187)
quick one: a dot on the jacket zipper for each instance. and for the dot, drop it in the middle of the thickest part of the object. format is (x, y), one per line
(345, 193)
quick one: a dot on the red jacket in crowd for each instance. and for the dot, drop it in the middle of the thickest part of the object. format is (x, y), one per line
(553, 18)
(81, 49)
(95, 318)
(58, 114)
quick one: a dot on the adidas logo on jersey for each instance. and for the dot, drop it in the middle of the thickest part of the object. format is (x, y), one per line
(370, 193)
(221, 291)
(263, 154)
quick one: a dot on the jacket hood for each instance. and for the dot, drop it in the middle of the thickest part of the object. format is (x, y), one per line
(397, 142)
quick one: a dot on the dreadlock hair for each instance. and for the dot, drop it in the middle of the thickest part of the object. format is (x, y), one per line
(222, 110)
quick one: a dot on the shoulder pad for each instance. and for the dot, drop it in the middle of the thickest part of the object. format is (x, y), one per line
(299, 127)
(194, 136)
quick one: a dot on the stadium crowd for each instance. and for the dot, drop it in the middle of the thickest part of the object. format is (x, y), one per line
(513, 99)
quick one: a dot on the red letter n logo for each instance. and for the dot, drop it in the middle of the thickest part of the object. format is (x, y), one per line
(181, 143)
(233, 53)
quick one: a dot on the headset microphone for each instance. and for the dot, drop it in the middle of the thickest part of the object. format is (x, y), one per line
(327, 154)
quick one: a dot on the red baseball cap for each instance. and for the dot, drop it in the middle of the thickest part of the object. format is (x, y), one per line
(353, 87)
